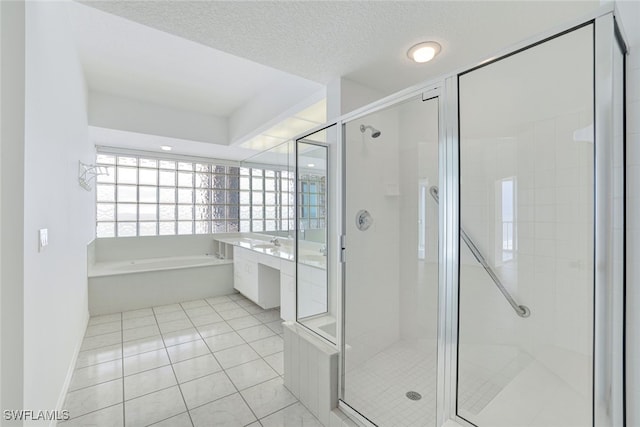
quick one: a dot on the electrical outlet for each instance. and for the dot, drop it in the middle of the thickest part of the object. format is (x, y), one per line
(44, 238)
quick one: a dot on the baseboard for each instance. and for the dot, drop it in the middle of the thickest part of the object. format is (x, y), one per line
(70, 370)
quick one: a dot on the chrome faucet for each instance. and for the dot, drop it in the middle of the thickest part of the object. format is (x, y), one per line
(323, 250)
(275, 241)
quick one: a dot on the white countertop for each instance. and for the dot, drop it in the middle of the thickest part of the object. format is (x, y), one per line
(285, 251)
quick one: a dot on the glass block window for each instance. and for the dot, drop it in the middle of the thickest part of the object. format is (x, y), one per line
(312, 201)
(266, 200)
(148, 197)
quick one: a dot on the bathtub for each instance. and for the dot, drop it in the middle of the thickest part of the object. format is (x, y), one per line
(153, 264)
(116, 286)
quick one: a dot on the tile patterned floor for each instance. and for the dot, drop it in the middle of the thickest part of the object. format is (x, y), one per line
(211, 362)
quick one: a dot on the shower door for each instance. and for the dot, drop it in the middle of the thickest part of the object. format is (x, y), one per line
(389, 364)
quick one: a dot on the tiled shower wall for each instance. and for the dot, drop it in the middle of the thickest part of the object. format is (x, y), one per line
(630, 15)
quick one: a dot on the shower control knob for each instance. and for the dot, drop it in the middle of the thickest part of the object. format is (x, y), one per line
(363, 220)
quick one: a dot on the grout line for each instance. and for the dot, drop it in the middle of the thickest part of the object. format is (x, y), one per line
(227, 375)
(201, 337)
(173, 370)
(282, 409)
(91, 412)
(124, 421)
(168, 418)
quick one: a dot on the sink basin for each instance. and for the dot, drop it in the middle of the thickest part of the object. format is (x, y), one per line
(321, 259)
(264, 246)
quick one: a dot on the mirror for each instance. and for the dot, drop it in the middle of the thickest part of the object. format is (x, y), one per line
(314, 309)
(267, 192)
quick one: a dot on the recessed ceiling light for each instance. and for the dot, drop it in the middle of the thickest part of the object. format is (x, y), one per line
(423, 52)
(311, 165)
(166, 147)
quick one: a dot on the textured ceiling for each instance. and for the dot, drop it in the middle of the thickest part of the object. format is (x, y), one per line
(364, 41)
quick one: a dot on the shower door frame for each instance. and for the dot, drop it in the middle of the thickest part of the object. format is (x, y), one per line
(429, 91)
(607, 31)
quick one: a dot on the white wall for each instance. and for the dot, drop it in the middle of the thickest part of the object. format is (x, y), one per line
(116, 112)
(418, 278)
(278, 101)
(11, 202)
(629, 12)
(372, 267)
(56, 138)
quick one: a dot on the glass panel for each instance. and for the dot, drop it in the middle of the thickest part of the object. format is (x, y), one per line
(219, 226)
(245, 212)
(185, 195)
(233, 198)
(127, 212)
(233, 182)
(148, 228)
(127, 193)
(126, 229)
(147, 212)
(257, 212)
(218, 197)
(203, 196)
(245, 198)
(185, 179)
(106, 159)
(127, 175)
(203, 180)
(148, 177)
(257, 198)
(148, 194)
(148, 163)
(167, 212)
(391, 286)
(233, 212)
(167, 178)
(167, 228)
(217, 212)
(202, 168)
(105, 212)
(203, 212)
(167, 195)
(219, 181)
(202, 227)
(185, 227)
(316, 300)
(127, 161)
(256, 184)
(105, 193)
(526, 204)
(185, 212)
(106, 229)
(167, 164)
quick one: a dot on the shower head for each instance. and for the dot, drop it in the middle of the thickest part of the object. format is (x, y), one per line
(374, 132)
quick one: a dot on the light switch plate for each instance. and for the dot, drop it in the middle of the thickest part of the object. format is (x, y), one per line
(44, 238)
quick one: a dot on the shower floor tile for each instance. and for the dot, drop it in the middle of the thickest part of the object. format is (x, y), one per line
(378, 387)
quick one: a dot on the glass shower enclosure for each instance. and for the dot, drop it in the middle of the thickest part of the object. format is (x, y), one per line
(483, 242)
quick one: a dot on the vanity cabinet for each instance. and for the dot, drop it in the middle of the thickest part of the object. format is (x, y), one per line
(267, 280)
(245, 274)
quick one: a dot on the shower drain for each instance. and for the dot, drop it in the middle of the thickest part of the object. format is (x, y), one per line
(414, 395)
